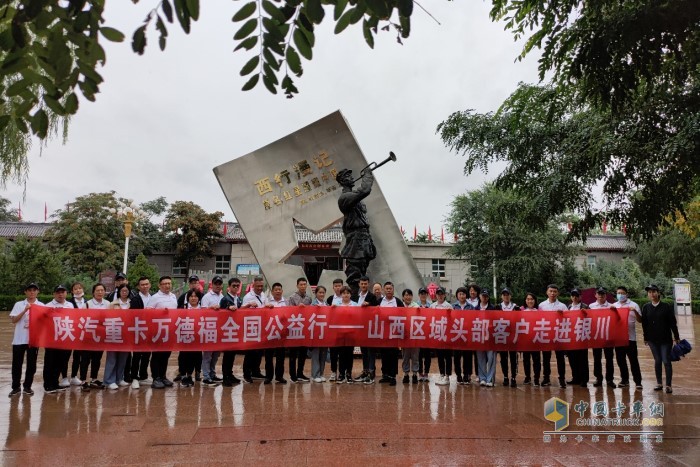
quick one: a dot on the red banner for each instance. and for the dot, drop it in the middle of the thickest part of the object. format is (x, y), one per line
(310, 326)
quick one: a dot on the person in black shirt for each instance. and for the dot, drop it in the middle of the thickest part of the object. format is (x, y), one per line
(660, 330)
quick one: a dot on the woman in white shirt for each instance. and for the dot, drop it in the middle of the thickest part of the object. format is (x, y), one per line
(318, 354)
(116, 361)
(93, 358)
(345, 353)
(189, 359)
(533, 356)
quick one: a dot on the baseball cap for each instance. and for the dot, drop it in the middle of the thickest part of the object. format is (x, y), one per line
(651, 287)
(31, 285)
(193, 278)
(217, 280)
(120, 275)
(575, 292)
(60, 287)
(440, 290)
(422, 290)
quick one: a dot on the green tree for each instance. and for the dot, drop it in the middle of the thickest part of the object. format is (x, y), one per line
(195, 232)
(669, 252)
(30, 260)
(7, 213)
(142, 268)
(149, 237)
(492, 226)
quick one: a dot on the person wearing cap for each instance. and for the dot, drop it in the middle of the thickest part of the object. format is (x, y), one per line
(486, 358)
(390, 356)
(212, 299)
(140, 360)
(601, 302)
(553, 304)
(297, 355)
(578, 359)
(508, 305)
(163, 299)
(425, 356)
(660, 331)
(20, 342)
(231, 302)
(369, 354)
(629, 351)
(54, 359)
(444, 356)
(192, 284)
(462, 358)
(119, 279)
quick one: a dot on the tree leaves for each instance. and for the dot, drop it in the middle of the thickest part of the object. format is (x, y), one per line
(112, 34)
(245, 30)
(250, 65)
(245, 11)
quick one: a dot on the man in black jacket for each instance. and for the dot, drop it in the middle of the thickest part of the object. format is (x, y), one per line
(231, 302)
(660, 331)
(140, 360)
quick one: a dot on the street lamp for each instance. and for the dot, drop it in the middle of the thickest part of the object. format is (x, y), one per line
(127, 213)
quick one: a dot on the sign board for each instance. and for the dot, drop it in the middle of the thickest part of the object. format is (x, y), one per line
(247, 269)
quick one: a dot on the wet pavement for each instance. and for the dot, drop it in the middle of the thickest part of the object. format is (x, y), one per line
(331, 424)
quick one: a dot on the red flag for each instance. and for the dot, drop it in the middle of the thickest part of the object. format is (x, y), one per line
(225, 228)
(456, 237)
(442, 234)
(624, 229)
(402, 231)
(430, 235)
(46, 212)
(415, 232)
(605, 226)
(19, 211)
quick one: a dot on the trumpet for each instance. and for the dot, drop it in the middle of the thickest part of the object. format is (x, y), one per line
(372, 166)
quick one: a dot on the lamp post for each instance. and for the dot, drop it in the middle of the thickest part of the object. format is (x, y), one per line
(128, 213)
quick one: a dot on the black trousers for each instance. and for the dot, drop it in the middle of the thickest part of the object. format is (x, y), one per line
(631, 353)
(425, 357)
(463, 362)
(159, 364)
(444, 358)
(578, 361)
(561, 363)
(18, 352)
(92, 359)
(621, 359)
(139, 365)
(186, 362)
(390, 362)
(297, 360)
(345, 361)
(53, 359)
(226, 363)
(78, 356)
(513, 356)
(251, 362)
(533, 357)
(598, 364)
(334, 359)
(64, 358)
(274, 363)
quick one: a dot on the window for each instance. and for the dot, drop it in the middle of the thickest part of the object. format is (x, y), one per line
(179, 268)
(223, 264)
(439, 268)
(591, 262)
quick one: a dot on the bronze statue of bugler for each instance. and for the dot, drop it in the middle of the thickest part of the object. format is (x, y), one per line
(359, 248)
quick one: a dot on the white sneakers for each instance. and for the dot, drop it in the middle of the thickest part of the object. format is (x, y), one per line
(135, 384)
(65, 382)
(113, 386)
(442, 380)
(489, 384)
(319, 380)
(75, 381)
(333, 377)
(123, 384)
(482, 383)
(146, 381)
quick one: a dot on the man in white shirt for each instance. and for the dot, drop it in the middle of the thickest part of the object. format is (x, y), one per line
(163, 299)
(20, 343)
(508, 305)
(601, 303)
(630, 351)
(212, 299)
(335, 299)
(297, 355)
(390, 355)
(252, 358)
(444, 356)
(140, 360)
(369, 354)
(553, 304)
(55, 359)
(274, 358)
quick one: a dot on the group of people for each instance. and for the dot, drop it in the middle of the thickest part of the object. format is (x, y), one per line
(123, 369)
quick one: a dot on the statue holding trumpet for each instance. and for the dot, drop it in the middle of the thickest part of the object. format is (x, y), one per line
(359, 248)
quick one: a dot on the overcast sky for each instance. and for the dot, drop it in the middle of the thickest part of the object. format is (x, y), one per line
(164, 120)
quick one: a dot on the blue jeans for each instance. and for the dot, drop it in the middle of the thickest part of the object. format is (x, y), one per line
(662, 355)
(318, 361)
(487, 365)
(114, 367)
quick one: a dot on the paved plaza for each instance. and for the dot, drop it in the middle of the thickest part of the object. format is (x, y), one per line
(332, 424)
